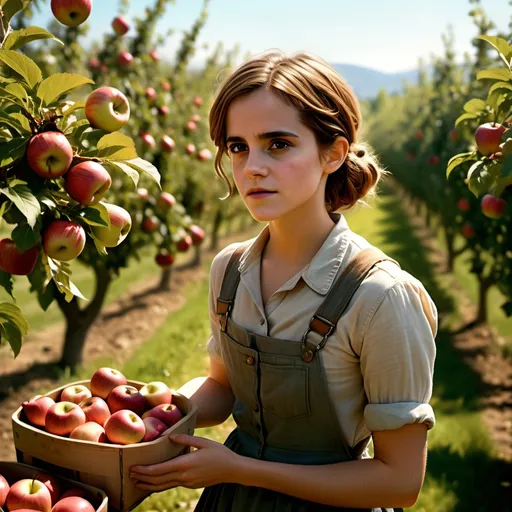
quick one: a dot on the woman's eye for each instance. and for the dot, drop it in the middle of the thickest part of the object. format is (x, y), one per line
(236, 148)
(279, 144)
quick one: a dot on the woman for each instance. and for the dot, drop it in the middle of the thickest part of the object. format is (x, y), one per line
(319, 340)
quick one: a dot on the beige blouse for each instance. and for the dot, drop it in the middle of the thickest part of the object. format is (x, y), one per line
(379, 361)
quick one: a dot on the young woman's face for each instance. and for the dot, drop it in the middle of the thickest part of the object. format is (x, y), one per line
(270, 148)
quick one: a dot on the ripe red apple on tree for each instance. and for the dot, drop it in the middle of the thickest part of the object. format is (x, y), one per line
(63, 240)
(124, 59)
(52, 484)
(107, 108)
(184, 243)
(150, 224)
(166, 86)
(150, 93)
(191, 126)
(198, 100)
(63, 417)
(76, 393)
(493, 207)
(120, 25)
(49, 154)
(454, 135)
(125, 427)
(468, 230)
(190, 149)
(148, 140)
(95, 409)
(94, 63)
(30, 494)
(120, 225)
(168, 413)
(488, 137)
(156, 393)
(196, 233)
(167, 144)
(463, 205)
(126, 397)
(104, 380)
(73, 504)
(164, 259)
(163, 110)
(4, 489)
(434, 160)
(195, 118)
(35, 409)
(89, 431)
(143, 193)
(154, 427)
(165, 201)
(204, 154)
(87, 182)
(16, 262)
(419, 135)
(71, 12)
(154, 55)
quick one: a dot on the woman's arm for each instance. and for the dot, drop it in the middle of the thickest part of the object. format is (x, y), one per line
(212, 395)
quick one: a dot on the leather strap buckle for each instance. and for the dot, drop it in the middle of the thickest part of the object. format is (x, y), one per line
(321, 326)
(223, 310)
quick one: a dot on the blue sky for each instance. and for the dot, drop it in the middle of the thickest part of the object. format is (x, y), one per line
(388, 35)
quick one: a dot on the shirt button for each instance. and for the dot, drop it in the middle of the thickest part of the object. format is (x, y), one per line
(250, 360)
(255, 407)
(262, 321)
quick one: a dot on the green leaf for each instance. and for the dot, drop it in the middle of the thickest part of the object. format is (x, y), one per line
(71, 106)
(6, 282)
(60, 272)
(44, 288)
(142, 165)
(99, 245)
(11, 150)
(459, 159)
(464, 117)
(25, 123)
(19, 92)
(74, 125)
(22, 65)
(25, 201)
(11, 7)
(499, 44)
(475, 106)
(56, 85)
(13, 325)
(17, 38)
(12, 122)
(93, 217)
(121, 166)
(102, 209)
(479, 180)
(116, 146)
(500, 85)
(494, 74)
(24, 237)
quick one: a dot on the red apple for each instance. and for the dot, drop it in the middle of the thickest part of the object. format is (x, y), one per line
(73, 504)
(150, 224)
(411, 155)
(195, 118)
(204, 154)
(163, 110)
(148, 140)
(154, 427)
(166, 86)
(29, 494)
(190, 149)
(71, 12)
(87, 182)
(63, 417)
(150, 93)
(167, 144)
(52, 484)
(104, 380)
(103, 68)
(191, 126)
(95, 409)
(143, 193)
(63, 240)
(16, 262)
(120, 25)
(89, 431)
(198, 100)
(35, 409)
(196, 233)
(168, 413)
(125, 427)
(166, 201)
(107, 108)
(124, 59)
(184, 243)
(49, 154)
(468, 230)
(75, 491)
(463, 205)
(154, 55)
(434, 160)
(419, 135)
(126, 397)
(94, 63)
(120, 225)
(164, 259)
(4, 490)
(75, 393)
(493, 207)
(488, 137)
(454, 135)
(156, 393)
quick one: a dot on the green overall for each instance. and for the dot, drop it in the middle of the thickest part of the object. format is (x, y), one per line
(282, 407)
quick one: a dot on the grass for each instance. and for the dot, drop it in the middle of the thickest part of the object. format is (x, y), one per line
(463, 472)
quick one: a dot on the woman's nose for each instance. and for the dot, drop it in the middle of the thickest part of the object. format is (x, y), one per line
(255, 166)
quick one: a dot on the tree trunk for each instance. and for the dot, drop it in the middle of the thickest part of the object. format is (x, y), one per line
(418, 207)
(217, 220)
(483, 287)
(428, 219)
(197, 256)
(449, 237)
(79, 321)
(165, 280)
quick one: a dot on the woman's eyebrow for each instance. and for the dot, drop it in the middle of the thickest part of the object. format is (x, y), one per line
(263, 136)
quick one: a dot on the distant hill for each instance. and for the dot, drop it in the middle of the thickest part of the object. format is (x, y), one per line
(367, 82)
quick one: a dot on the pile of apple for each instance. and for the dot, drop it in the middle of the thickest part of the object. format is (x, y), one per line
(42, 494)
(108, 411)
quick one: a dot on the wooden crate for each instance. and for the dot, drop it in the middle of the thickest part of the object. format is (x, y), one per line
(106, 466)
(14, 471)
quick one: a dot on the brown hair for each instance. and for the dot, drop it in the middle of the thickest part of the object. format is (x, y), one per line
(326, 104)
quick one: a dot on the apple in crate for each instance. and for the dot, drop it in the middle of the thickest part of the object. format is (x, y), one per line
(4, 489)
(156, 393)
(74, 491)
(168, 413)
(76, 394)
(104, 380)
(73, 504)
(126, 397)
(154, 427)
(52, 484)
(95, 409)
(30, 494)
(63, 417)
(89, 431)
(35, 409)
(125, 427)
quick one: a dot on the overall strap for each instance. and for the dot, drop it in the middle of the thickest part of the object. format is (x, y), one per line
(229, 285)
(327, 315)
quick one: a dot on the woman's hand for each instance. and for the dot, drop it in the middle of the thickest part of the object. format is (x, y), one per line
(211, 463)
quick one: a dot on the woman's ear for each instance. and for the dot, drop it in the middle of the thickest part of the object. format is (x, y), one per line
(336, 155)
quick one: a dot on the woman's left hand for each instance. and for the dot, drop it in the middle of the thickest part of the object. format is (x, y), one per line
(211, 463)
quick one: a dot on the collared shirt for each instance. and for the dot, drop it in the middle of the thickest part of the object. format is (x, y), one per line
(379, 361)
